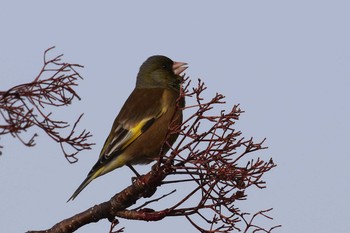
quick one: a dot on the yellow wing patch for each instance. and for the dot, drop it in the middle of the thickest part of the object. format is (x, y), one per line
(135, 132)
(119, 144)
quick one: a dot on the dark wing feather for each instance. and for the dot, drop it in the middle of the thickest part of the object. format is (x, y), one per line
(139, 112)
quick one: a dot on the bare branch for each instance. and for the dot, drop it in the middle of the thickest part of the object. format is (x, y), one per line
(24, 106)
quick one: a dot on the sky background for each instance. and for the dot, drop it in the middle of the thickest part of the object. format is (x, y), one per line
(287, 63)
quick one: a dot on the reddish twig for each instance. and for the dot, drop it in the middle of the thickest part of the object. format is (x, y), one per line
(25, 105)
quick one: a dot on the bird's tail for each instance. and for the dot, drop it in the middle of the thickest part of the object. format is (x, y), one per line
(87, 181)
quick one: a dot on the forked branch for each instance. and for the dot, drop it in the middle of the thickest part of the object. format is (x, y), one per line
(25, 105)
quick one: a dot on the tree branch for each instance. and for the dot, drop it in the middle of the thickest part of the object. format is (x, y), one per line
(25, 105)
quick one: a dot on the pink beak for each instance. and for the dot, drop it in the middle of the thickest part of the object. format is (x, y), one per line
(179, 67)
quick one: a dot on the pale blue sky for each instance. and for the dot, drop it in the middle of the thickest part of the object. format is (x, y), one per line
(286, 62)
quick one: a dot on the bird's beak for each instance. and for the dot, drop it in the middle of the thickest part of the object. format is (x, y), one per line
(179, 67)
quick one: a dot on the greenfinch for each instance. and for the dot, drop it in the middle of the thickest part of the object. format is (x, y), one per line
(140, 129)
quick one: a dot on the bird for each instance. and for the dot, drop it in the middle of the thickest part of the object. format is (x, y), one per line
(140, 129)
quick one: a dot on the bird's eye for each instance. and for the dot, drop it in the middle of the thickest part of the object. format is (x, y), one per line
(164, 66)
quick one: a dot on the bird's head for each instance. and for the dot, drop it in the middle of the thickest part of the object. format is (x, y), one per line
(160, 71)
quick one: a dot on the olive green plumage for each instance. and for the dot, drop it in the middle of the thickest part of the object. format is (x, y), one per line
(139, 131)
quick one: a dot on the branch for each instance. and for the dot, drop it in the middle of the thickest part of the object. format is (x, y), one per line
(144, 186)
(24, 106)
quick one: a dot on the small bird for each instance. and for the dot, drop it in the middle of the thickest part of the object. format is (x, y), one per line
(140, 129)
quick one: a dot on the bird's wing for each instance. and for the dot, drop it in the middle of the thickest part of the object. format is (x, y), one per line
(125, 134)
(140, 111)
